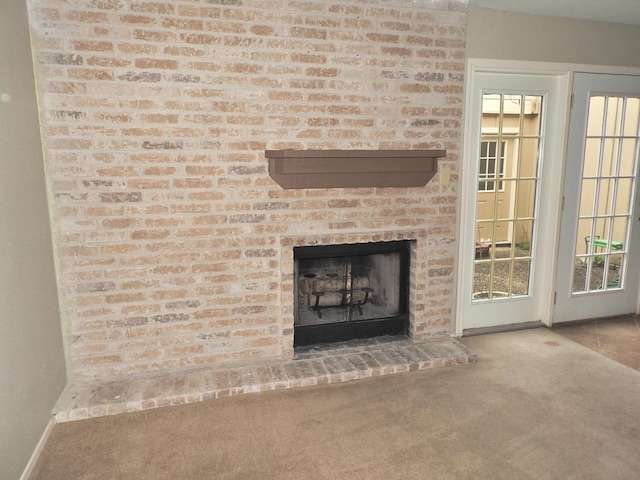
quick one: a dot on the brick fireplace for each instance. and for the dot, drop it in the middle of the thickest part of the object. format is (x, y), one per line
(174, 245)
(353, 291)
(416, 325)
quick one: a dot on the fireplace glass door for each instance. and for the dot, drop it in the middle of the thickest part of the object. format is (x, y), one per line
(350, 291)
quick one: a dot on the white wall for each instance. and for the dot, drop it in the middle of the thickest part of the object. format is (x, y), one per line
(497, 34)
(32, 366)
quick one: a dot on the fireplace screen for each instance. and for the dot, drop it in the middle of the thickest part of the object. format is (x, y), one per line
(350, 291)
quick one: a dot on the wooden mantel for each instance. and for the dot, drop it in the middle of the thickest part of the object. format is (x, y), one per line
(352, 168)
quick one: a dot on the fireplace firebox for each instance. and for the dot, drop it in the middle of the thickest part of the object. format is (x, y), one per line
(351, 291)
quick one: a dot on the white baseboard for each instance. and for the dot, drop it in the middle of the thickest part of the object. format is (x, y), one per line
(36, 453)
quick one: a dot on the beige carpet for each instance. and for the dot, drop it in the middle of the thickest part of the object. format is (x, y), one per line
(535, 406)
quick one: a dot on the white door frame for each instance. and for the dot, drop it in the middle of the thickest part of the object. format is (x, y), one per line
(475, 65)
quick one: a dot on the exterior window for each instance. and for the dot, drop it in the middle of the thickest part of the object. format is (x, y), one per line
(490, 163)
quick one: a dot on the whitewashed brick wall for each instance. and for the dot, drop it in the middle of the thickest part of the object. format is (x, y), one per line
(155, 116)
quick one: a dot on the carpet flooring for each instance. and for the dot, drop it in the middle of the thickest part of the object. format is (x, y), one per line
(536, 405)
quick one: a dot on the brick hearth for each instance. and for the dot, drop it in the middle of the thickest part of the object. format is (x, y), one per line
(310, 366)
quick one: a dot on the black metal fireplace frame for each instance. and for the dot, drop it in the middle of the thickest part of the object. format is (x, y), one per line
(342, 331)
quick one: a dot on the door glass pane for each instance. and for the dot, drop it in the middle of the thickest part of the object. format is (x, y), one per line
(530, 150)
(628, 153)
(623, 197)
(587, 199)
(596, 116)
(520, 268)
(523, 231)
(610, 164)
(609, 156)
(613, 111)
(631, 119)
(592, 154)
(605, 197)
(525, 198)
(507, 192)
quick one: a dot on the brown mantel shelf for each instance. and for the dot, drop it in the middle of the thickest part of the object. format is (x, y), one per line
(352, 168)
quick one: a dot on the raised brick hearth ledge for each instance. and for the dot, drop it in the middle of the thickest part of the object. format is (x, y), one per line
(310, 366)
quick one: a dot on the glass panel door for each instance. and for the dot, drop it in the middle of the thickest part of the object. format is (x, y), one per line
(599, 264)
(607, 190)
(511, 192)
(507, 191)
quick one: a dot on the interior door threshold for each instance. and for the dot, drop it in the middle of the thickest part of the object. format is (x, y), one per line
(469, 332)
